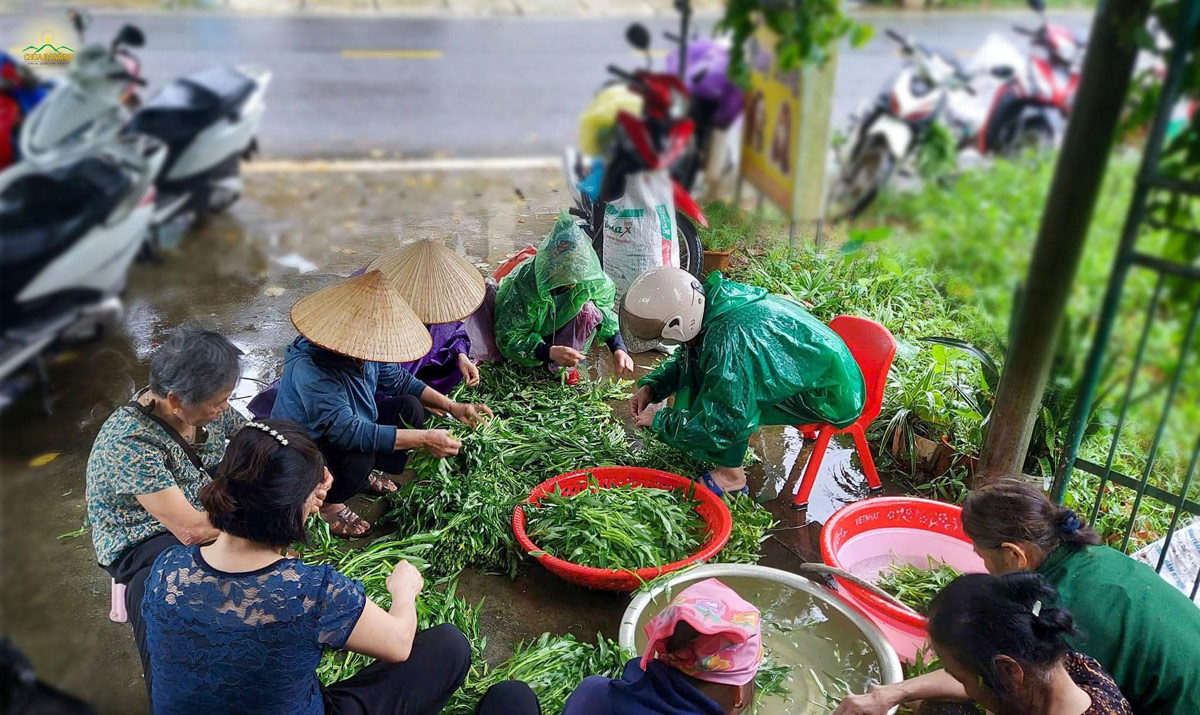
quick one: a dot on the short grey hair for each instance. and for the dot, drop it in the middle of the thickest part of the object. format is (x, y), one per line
(195, 364)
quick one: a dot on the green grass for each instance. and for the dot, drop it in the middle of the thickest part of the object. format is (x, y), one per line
(949, 261)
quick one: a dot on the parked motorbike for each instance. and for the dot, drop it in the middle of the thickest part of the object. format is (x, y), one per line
(884, 134)
(68, 234)
(20, 91)
(207, 120)
(651, 142)
(1030, 108)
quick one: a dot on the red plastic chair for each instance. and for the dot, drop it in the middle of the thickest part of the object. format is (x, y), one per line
(873, 348)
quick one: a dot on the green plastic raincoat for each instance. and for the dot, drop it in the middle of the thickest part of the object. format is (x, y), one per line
(527, 310)
(760, 360)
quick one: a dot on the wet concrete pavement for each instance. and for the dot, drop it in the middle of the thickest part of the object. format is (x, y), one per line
(465, 87)
(238, 274)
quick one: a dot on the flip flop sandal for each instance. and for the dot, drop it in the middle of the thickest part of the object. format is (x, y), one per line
(382, 486)
(707, 480)
(345, 524)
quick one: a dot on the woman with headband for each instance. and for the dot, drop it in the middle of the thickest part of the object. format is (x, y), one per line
(236, 626)
(1136, 625)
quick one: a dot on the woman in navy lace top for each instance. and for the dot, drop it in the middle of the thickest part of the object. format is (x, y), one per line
(235, 627)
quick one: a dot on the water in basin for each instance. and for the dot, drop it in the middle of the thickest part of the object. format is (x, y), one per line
(825, 653)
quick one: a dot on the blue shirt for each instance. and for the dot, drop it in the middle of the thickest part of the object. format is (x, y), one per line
(248, 642)
(658, 690)
(332, 397)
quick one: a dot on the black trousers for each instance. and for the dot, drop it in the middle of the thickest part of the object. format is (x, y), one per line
(352, 470)
(420, 685)
(132, 568)
(509, 698)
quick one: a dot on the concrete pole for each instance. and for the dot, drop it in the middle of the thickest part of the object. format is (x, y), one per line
(1077, 178)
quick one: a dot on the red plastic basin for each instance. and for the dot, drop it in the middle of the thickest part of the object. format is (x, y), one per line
(866, 537)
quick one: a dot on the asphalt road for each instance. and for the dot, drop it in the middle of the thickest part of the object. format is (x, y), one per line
(463, 87)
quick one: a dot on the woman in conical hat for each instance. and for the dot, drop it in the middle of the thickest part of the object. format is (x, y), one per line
(352, 334)
(443, 290)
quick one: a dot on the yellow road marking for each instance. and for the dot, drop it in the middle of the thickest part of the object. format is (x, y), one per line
(392, 54)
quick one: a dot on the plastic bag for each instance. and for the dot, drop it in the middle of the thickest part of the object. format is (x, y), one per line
(639, 228)
(639, 234)
(1183, 558)
(598, 119)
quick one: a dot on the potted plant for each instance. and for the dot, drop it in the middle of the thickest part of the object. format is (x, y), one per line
(727, 226)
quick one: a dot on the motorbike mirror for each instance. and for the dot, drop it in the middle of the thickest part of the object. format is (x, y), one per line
(80, 19)
(131, 36)
(1038, 6)
(638, 36)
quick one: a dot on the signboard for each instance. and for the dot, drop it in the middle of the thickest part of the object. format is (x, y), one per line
(786, 130)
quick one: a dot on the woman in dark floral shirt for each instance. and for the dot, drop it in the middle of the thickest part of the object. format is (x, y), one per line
(1003, 639)
(152, 456)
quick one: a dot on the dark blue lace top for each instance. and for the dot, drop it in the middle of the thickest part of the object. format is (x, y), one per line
(247, 642)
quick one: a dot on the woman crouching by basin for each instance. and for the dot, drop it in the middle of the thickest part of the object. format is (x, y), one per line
(1004, 641)
(237, 627)
(1134, 624)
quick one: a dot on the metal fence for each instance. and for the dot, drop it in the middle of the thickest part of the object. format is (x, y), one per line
(1147, 385)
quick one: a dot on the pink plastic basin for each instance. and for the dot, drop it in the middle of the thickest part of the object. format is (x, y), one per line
(866, 537)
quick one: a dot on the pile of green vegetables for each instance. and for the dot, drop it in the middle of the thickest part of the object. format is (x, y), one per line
(457, 513)
(620, 527)
(542, 429)
(552, 665)
(915, 586)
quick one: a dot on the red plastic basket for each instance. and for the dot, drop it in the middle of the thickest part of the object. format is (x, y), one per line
(711, 508)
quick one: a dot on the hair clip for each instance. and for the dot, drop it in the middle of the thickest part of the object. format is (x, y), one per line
(266, 428)
(1037, 608)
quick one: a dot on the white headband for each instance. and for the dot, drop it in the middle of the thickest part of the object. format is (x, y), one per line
(265, 428)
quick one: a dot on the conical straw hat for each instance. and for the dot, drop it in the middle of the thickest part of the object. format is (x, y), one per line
(440, 286)
(363, 317)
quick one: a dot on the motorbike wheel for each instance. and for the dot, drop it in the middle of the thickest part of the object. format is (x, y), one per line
(1031, 137)
(859, 182)
(691, 254)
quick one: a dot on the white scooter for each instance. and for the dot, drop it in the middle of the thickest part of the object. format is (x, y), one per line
(68, 234)
(208, 121)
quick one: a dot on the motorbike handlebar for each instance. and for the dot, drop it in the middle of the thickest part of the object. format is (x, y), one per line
(626, 76)
(125, 76)
(1024, 31)
(896, 36)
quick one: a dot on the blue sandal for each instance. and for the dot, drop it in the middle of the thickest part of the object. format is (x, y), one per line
(707, 480)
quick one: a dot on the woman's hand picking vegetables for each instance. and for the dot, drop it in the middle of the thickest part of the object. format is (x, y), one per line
(440, 443)
(468, 369)
(622, 364)
(473, 414)
(564, 356)
(405, 581)
(645, 418)
(639, 401)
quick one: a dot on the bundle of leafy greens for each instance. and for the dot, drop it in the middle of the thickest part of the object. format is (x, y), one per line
(915, 586)
(619, 527)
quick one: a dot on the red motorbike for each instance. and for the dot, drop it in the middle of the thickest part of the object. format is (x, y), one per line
(1035, 100)
(648, 142)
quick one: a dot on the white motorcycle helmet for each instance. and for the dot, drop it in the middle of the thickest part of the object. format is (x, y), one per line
(664, 303)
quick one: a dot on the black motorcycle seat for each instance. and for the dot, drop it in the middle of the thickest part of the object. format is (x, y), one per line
(43, 212)
(186, 106)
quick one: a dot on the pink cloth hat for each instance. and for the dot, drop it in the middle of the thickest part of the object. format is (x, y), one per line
(729, 648)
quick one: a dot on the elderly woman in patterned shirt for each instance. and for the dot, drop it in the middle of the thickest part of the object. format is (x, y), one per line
(152, 456)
